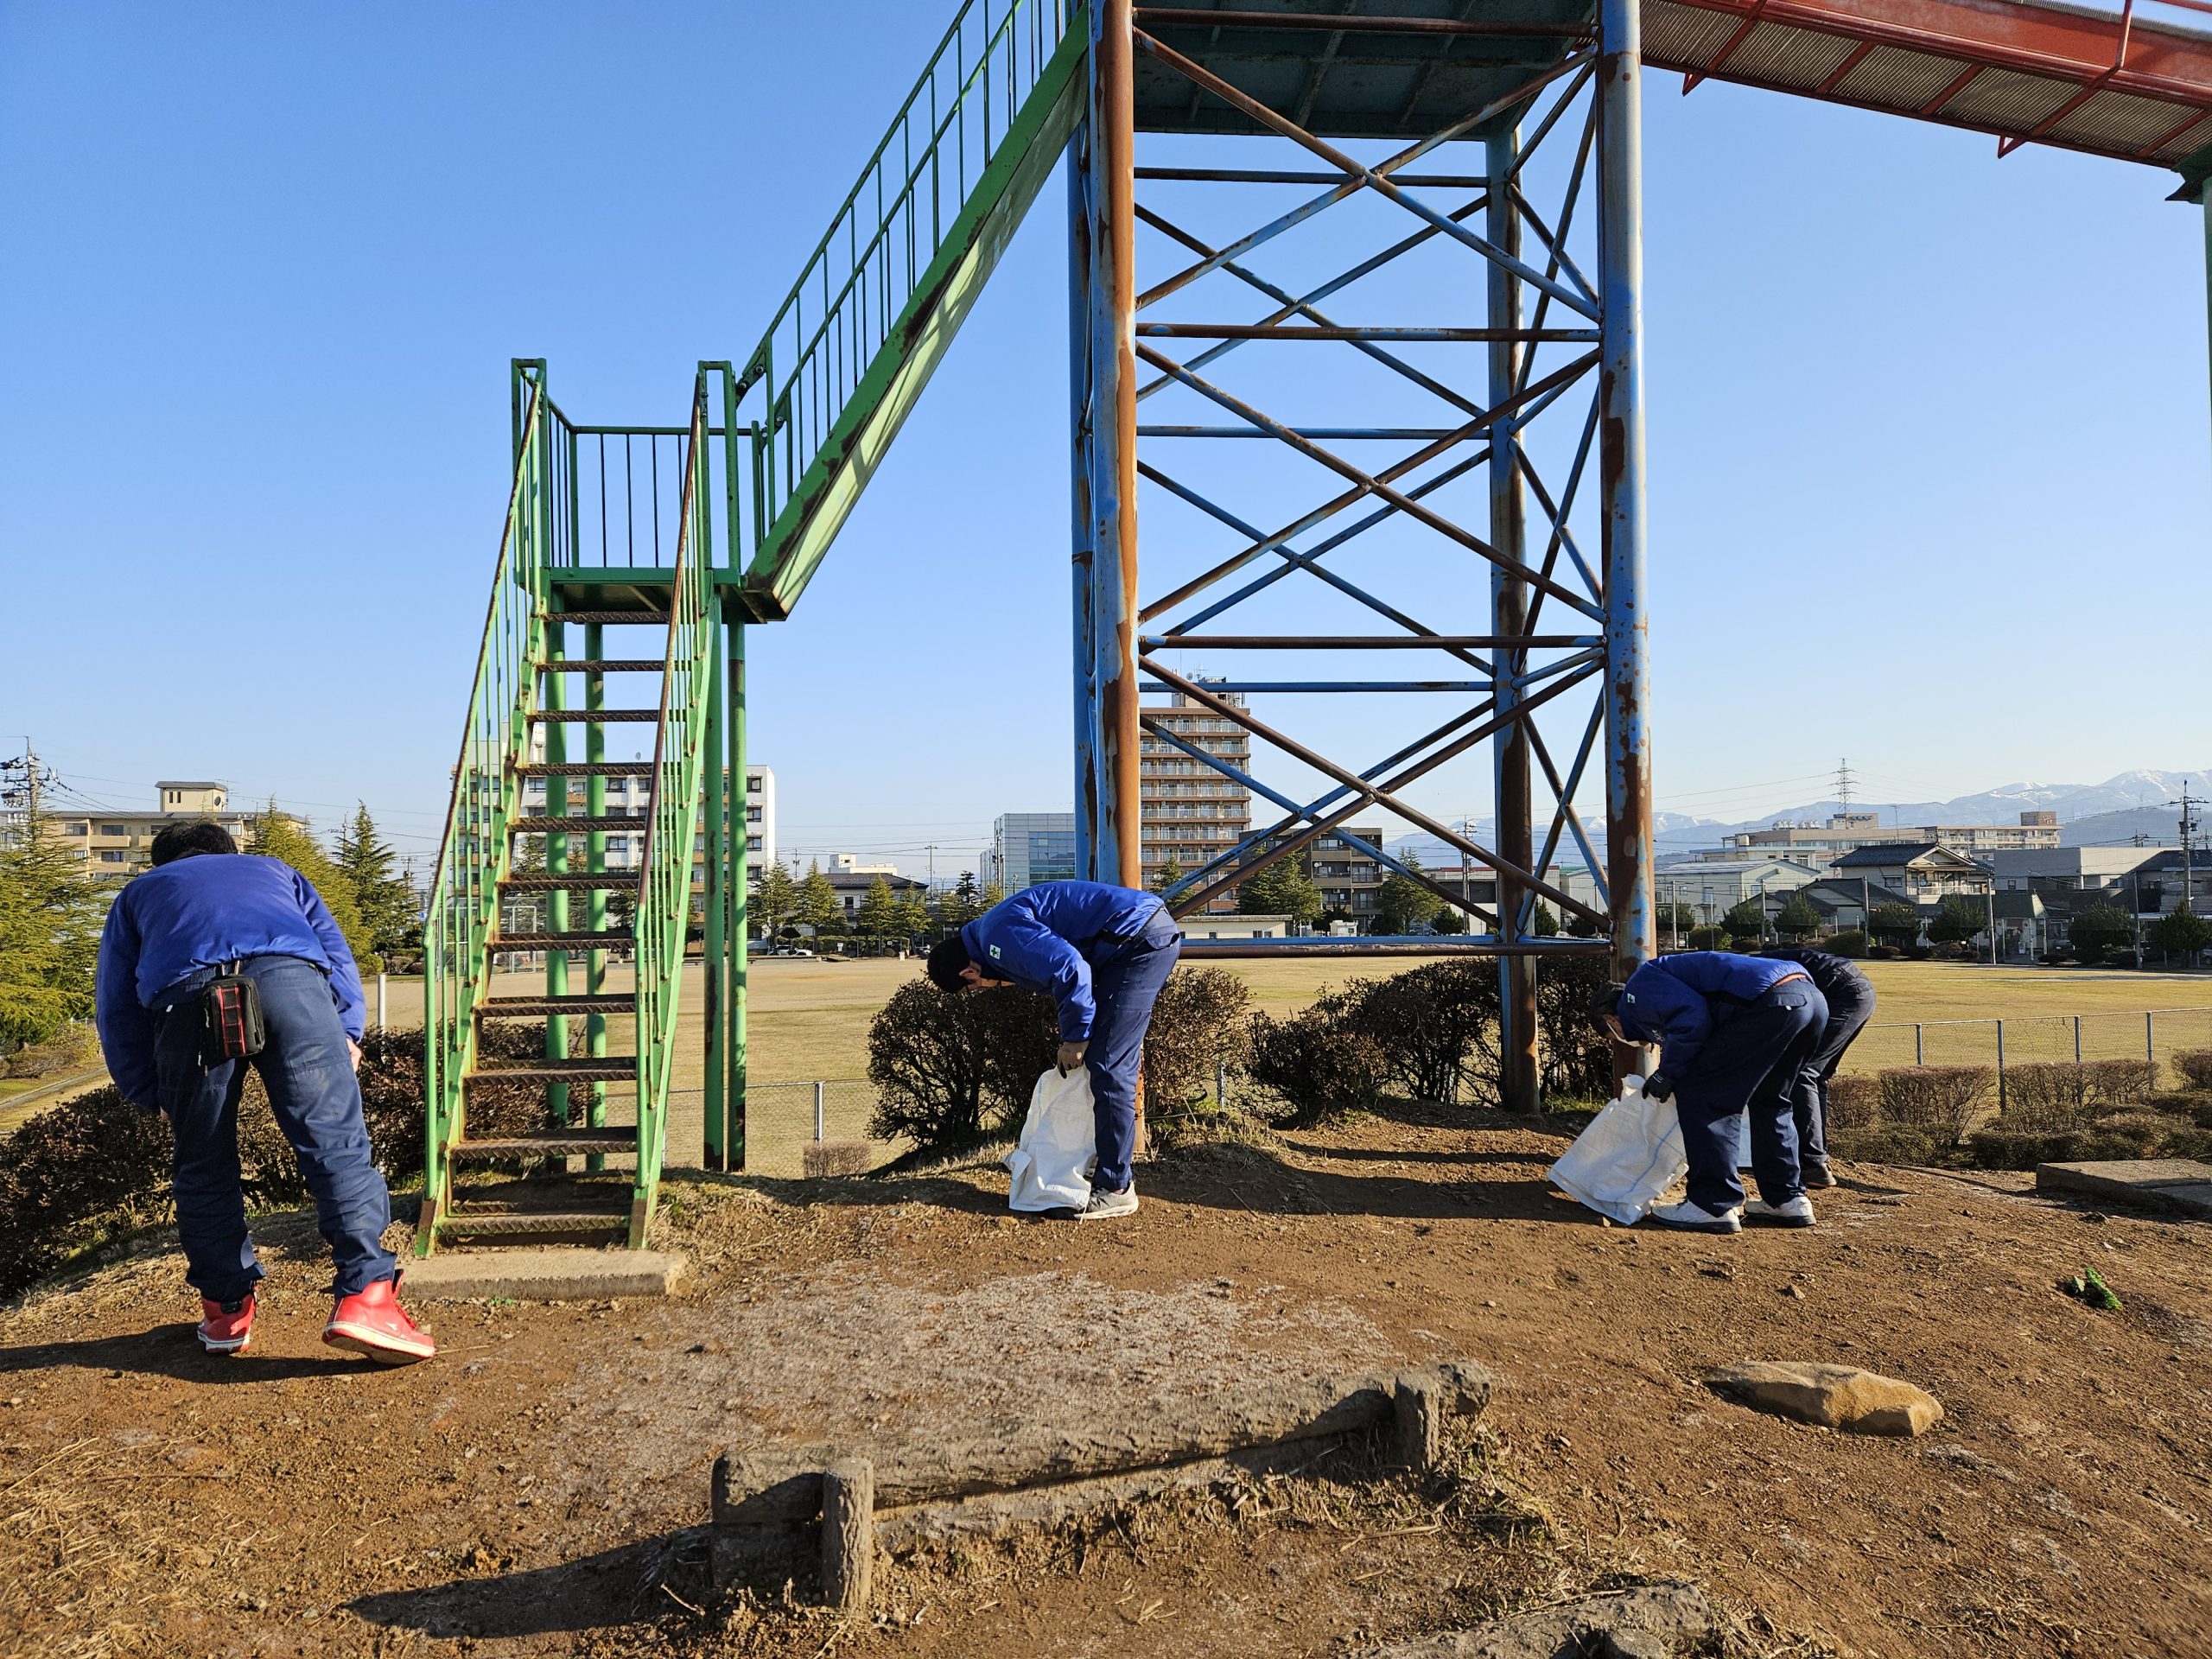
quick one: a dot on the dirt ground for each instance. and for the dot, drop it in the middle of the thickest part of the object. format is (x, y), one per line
(540, 1488)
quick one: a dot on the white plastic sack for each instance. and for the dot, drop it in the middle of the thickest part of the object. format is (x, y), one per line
(1627, 1159)
(1052, 1161)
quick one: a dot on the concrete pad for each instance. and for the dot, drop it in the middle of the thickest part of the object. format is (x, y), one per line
(2181, 1183)
(542, 1275)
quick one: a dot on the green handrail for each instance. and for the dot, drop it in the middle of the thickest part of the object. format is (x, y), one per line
(664, 909)
(856, 295)
(475, 853)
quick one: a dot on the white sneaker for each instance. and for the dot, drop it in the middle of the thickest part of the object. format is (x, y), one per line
(1696, 1218)
(1108, 1206)
(1797, 1212)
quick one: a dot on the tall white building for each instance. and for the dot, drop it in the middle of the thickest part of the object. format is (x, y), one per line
(629, 797)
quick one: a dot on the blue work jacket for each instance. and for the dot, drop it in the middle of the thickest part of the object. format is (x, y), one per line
(1670, 999)
(1045, 937)
(199, 911)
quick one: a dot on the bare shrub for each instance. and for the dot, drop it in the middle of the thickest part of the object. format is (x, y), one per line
(1201, 1022)
(1882, 1143)
(822, 1159)
(2117, 1083)
(2195, 1066)
(2045, 1097)
(1436, 1026)
(1855, 1101)
(1940, 1100)
(72, 1048)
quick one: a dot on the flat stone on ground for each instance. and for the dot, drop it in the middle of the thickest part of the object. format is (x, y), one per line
(2182, 1184)
(1832, 1396)
(1653, 1621)
(541, 1276)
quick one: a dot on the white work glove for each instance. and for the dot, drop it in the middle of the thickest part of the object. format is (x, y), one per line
(1071, 1056)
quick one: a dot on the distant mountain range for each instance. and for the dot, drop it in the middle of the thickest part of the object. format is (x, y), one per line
(2089, 814)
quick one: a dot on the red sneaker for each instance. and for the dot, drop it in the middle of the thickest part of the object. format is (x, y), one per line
(225, 1327)
(372, 1322)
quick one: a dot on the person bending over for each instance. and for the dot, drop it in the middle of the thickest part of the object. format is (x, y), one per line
(1732, 1033)
(1101, 953)
(203, 907)
(1849, 996)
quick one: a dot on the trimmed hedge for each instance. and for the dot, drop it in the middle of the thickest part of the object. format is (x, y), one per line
(1883, 1144)
(2195, 1066)
(1318, 1060)
(1941, 1101)
(1855, 1101)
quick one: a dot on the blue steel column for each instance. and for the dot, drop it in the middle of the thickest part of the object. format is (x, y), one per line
(1620, 419)
(1117, 851)
(1518, 1088)
(1079, 387)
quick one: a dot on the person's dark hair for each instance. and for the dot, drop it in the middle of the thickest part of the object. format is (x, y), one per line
(1604, 1001)
(948, 958)
(183, 839)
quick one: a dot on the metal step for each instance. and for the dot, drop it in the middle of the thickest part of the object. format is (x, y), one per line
(604, 666)
(594, 716)
(605, 617)
(604, 880)
(567, 822)
(550, 1144)
(614, 935)
(598, 1068)
(512, 1007)
(587, 1223)
(584, 769)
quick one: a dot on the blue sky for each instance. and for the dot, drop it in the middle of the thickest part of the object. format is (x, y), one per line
(1930, 469)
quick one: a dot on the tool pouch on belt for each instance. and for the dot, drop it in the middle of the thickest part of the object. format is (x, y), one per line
(230, 1027)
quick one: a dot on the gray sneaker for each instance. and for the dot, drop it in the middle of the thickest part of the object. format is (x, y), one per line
(1791, 1212)
(1106, 1205)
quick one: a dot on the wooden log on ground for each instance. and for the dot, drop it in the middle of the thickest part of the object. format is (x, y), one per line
(849, 1534)
(783, 1483)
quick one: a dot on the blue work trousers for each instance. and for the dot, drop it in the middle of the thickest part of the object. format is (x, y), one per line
(1750, 1064)
(1125, 975)
(1850, 1006)
(317, 1102)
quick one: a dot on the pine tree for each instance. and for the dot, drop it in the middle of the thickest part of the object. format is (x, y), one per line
(774, 900)
(370, 868)
(816, 900)
(50, 919)
(913, 916)
(1798, 919)
(879, 912)
(1284, 889)
(279, 835)
(993, 896)
(1403, 903)
(1166, 875)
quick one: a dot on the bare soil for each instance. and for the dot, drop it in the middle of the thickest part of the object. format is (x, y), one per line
(541, 1487)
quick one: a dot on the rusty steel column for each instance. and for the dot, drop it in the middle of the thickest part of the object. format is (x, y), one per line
(1620, 437)
(1081, 594)
(1118, 849)
(1517, 1082)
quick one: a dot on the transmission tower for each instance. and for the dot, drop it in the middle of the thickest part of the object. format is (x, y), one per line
(1844, 782)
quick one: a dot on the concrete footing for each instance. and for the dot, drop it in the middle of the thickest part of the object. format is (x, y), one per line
(2181, 1185)
(542, 1275)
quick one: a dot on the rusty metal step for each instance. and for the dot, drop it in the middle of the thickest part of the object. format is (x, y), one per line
(605, 617)
(594, 716)
(597, 1068)
(584, 769)
(548, 1143)
(558, 941)
(603, 665)
(512, 1007)
(607, 879)
(568, 822)
(556, 1223)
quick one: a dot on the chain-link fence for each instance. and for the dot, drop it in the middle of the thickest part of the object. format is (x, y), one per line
(818, 1128)
(2153, 1034)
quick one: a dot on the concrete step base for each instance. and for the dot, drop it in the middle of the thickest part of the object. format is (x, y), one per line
(2178, 1183)
(541, 1275)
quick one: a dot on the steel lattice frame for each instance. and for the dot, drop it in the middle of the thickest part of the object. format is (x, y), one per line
(1526, 422)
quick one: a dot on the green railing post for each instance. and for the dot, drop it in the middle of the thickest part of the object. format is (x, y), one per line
(595, 861)
(716, 965)
(738, 888)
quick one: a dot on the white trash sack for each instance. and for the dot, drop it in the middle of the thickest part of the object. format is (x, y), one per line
(1627, 1159)
(1052, 1161)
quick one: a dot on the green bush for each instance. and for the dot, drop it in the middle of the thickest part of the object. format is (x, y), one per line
(1941, 1101)
(1436, 1027)
(1707, 939)
(2000, 1148)
(1573, 1051)
(1883, 1144)
(1317, 1060)
(1849, 942)
(1855, 1101)
(72, 1048)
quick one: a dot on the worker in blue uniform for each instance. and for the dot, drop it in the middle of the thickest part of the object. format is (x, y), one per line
(1732, 1033)
(1101, 953)
(204, 914)
(1849, 996)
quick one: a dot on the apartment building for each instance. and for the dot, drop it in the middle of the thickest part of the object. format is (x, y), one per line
(1845, 833)
(117, 842)
(1188, 812)
(629, 797)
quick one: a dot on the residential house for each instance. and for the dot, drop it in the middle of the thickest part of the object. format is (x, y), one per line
(1922, 872)
(1712, 890)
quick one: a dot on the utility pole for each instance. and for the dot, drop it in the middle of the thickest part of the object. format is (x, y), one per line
(2189, 804)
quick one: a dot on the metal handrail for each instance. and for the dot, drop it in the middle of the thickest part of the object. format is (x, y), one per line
(474, 853)
(823, 358)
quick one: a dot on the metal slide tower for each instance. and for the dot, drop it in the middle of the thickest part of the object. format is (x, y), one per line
(1460, 530)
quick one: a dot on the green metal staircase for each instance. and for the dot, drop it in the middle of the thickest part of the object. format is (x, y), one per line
(838, 370)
